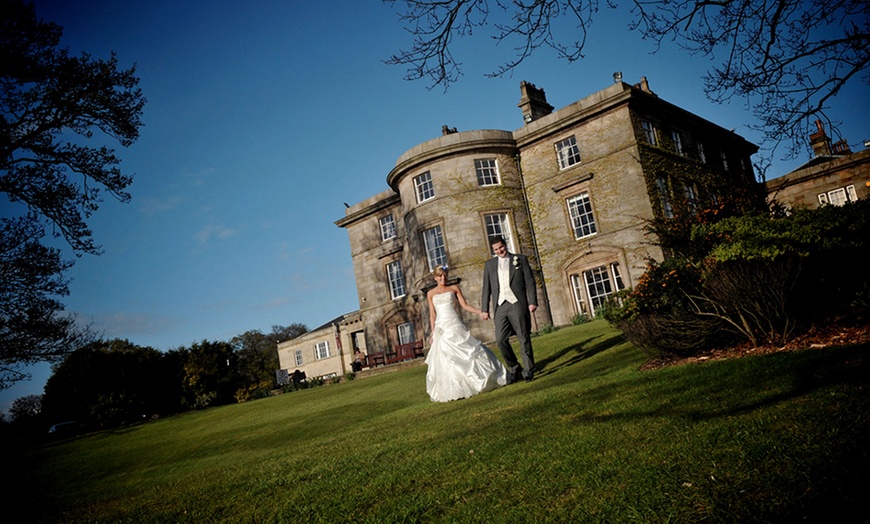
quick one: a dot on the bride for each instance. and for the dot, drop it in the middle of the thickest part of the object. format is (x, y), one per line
(459, 365)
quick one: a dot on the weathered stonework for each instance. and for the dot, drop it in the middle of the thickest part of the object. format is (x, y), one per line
(342, 337)
(834, 170)
(617, 175)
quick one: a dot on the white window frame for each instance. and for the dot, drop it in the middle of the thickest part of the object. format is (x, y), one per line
(677, 137)
(579, 298)
(567, 152)
(649, 131)
(407, 333)
(321, 350)
(396, 279)
(297, 355)
(487, 172)
(498, 224)
(839, 196)
(424, 188)
(582, 218)
(436, 252)
(598, 287)
(724, 158)
(581, 287)
(388, 227)
(701, 154)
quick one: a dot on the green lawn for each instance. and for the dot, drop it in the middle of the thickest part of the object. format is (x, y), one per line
(772, 438)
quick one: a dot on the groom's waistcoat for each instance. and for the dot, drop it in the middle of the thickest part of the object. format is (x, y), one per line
(522, 282)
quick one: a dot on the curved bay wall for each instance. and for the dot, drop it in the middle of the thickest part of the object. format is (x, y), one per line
(460, 208)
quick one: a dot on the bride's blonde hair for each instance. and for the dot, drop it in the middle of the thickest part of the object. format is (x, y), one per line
(439, 270)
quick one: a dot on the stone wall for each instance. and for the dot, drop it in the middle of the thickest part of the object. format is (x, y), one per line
(617, 171)
(801, 188)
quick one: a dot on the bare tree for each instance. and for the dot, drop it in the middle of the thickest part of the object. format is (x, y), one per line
(27, 407)
(788, 58)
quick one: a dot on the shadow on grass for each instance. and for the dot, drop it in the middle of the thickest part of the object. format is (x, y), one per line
(732, 388)
(576, 353)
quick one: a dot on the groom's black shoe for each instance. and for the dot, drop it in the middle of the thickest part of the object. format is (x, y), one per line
(529, 379)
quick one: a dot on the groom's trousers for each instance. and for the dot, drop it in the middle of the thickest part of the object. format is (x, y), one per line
(513, 319)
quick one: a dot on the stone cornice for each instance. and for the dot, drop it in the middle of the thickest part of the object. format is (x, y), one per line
(448, 145)
(802, 174)
(572, 114)
(364, 212)
(573, 182)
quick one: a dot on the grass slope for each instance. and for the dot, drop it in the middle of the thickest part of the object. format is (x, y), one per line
(773, 438)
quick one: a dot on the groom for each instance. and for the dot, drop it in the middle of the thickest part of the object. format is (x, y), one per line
(509, 283)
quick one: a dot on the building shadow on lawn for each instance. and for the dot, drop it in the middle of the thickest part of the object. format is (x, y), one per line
(706, 393)
(577, 353)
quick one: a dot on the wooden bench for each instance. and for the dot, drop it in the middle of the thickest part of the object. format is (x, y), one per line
(376, 359)
(406, 352)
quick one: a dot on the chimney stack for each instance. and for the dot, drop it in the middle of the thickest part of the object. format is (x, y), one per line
(533, 102)
(820, 142)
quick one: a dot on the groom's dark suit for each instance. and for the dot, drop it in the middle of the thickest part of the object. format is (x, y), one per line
(512, 319)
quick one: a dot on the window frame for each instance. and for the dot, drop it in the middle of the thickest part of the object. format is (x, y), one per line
(837, 197)
(424, 188)
(567, 152)
(581, 215)
(579, 295)
(649, 131)
(598, 298)
(404, 330)
(487, 175)
(691, 198)
(297, 356)
(396, 279)
(388, 228)
(436, 255)
(840, 196)
(504, 224)
(321, 350)
(665, 197)
(677, 138)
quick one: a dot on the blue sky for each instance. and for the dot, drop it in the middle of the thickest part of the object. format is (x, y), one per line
(264, 117)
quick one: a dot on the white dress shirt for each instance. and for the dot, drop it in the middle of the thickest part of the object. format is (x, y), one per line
(504, 282)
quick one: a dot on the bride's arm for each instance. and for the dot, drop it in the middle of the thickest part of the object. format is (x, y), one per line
(462, 302)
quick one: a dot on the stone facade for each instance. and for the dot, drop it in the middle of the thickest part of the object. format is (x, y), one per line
(326, 351)
(571, 189)
(835, 175)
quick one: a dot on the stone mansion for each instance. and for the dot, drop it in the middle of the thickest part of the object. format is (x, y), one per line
(572, 189)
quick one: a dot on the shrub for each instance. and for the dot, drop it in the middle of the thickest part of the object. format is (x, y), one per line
(545, 329)
(579, 319)
(754, 278)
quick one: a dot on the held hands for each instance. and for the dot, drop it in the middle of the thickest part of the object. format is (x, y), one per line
(484, 315)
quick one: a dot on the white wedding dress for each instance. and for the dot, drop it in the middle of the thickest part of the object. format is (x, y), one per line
(459, 365)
